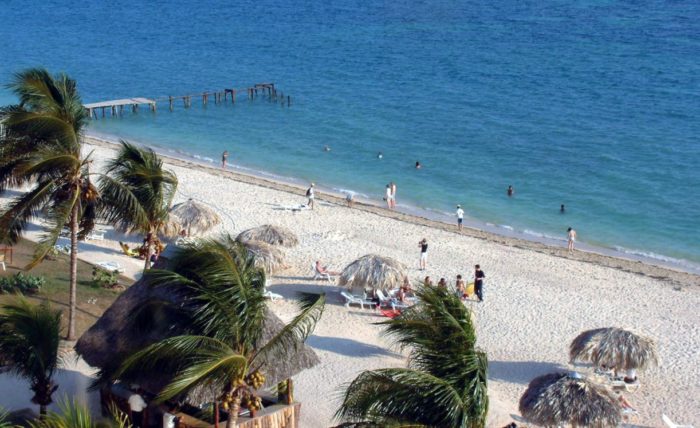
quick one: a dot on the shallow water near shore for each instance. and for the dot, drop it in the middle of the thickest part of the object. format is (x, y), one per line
(591, 105)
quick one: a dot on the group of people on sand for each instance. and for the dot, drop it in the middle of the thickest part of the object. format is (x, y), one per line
(461, 288)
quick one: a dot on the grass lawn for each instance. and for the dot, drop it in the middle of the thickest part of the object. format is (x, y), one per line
(56, 289)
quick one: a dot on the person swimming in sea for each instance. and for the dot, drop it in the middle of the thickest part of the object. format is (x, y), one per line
(326, 148)
(562, 209)
(418, 166)
(510, 191)
(380, 155)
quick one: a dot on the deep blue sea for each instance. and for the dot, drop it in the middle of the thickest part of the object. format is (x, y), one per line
(591, 104)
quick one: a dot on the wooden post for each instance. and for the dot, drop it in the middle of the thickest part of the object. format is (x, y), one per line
(103, 112)
(216, 414)
(204, 98)
(121, 110)
(289, 100)
(170, 100)
(233, 96)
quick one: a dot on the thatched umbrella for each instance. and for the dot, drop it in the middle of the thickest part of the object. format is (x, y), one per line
(266, 256)
(614, 347)
(273, 235)
(373, 271)
(193, 217)
(112, 338)
(558, 399)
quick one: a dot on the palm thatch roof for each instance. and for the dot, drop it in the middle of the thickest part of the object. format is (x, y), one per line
(273, 235)
(193, 216)
(559, 399)
(111, 339)
(266, 256)
(373, 271)
(614, 347)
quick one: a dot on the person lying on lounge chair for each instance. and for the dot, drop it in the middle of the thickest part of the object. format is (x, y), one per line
(324, 269)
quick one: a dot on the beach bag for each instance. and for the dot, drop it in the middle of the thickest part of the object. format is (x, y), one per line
(469, 290)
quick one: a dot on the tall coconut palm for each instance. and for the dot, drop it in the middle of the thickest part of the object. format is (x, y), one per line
(29, 338)
(137, 193)
(41, 148)
(445, 382)
(225, 313)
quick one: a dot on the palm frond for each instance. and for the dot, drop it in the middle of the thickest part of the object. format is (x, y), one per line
(296, 332)
(71, 414)
(22, 209)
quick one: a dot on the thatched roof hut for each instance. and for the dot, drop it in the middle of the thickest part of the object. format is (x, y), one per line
(192, 216)
(111, 339)
(273, 235)
(614, 347)
(559, 399)
(373, 271)
(266, 256)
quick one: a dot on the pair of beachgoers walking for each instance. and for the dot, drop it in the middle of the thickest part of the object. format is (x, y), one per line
(390, 195)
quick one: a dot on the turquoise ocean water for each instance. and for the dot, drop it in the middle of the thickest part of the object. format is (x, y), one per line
(593, 104)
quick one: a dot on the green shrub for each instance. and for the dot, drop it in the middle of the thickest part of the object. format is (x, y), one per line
(104, 278)
(21, 283)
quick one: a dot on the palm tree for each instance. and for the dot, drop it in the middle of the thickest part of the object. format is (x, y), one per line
(225, 311)
(29, 337)
(445, 382)
(137, 193)
(41, 147)
(77, 415)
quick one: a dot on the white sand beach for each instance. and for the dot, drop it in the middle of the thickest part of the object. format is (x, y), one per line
(536, 300)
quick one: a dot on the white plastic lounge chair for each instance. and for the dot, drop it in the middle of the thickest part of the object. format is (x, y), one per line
(96, 234)
(390, 301)
(670, 424)
(619, 383)
(111, 266)
(321, 275)
(272, 296)
(357, 300)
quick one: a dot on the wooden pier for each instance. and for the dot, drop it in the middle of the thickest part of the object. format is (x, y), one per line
(116, 107)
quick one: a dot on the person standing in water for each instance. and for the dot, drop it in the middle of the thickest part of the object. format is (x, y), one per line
(571, 238)
(510, 191)
(393, 194)
(562, 209)
(460, 217)
(224, 158)
(418, 165)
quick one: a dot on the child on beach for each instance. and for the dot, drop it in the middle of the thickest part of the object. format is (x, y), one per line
(349, 198)
(428, 282)
(460, 289)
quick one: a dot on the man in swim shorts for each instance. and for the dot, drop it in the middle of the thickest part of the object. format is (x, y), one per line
(460, 216)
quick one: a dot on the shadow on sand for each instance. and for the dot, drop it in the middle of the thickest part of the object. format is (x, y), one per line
(348, 347)
(521, 372)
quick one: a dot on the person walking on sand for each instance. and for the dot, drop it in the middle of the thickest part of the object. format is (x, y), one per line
(460, 217)
(423, 244)
(479, 276)
(571, 238)
(393, 194)
(224, 158)
(310, 195)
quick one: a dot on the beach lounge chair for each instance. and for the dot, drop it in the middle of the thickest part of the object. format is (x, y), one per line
(272, 296)
(128, 251)
(96, 234)
(111, 266)
(356, 300)
(321, 275)
(670, 424)
(390, 301)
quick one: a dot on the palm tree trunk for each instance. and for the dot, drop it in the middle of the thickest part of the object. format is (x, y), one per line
(149, 244)
(73, 272)
(233, 412)
(42, 410)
